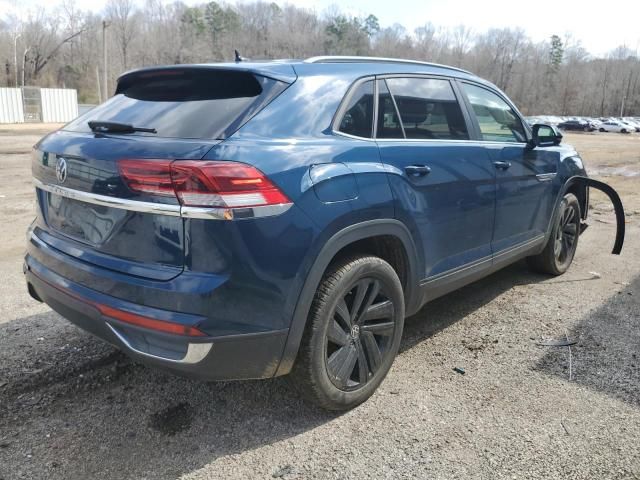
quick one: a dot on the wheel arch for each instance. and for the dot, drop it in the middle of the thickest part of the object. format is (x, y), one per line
(581, 191)
(369, 237)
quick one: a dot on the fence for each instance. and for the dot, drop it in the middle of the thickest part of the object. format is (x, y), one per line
(34, 104)
(11, 110)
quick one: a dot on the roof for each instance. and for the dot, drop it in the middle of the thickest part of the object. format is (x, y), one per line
(288, 69)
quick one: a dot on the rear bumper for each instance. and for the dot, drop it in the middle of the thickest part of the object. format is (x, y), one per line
(225, 357)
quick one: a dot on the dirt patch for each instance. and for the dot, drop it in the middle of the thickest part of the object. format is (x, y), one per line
(172, 420)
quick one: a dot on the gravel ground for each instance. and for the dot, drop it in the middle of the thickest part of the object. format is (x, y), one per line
(72, 407)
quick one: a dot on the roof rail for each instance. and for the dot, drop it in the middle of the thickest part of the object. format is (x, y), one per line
(355, 59)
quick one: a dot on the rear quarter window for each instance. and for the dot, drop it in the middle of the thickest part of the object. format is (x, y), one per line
(358, 116)
(202, 104)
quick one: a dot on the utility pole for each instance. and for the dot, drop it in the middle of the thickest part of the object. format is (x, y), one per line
(625, 93)
(24, 61)
(105, 85)
(15, 55)
(98, 83)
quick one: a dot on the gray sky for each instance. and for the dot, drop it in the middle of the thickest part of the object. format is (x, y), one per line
(600, 26)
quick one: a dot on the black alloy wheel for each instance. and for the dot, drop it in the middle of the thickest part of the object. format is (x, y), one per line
(352, 334)
(558, 253)
(359, 335)
(566, 234)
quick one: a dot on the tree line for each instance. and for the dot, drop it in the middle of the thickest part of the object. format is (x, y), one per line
(63, 47)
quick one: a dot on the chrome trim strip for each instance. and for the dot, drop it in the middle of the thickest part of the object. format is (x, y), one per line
(235, 213)
(205, 213)
(546, 177)
(348, 135)
(104, 200)
(429, 140)
(196, 352)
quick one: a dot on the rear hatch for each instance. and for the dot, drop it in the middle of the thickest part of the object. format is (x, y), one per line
(90, 205)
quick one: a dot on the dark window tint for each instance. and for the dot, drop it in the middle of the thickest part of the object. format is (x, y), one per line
(428, 108)
(185, 103)
(498, 122)
(358, 118)
(389, 125)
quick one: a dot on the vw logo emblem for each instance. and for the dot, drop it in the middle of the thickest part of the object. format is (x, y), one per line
(61, 169)
(355, 332)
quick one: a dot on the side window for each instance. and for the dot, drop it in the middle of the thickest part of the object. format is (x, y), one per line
(358, 118)
(428, 108)
(498, 122)
(389, 125)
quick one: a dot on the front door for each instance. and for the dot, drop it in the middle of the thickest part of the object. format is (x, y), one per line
(524, 176)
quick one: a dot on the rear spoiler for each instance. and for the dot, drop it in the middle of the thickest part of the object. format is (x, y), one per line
(617, 206)
(281, 71)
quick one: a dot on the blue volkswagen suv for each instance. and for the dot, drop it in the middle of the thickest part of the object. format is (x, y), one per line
(256, 219)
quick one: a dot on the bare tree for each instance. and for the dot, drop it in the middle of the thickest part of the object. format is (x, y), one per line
(60, 45)
(121, 15)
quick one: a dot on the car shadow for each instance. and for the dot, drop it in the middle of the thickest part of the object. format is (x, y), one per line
(606, 356)
(72, 406)
(451, 308)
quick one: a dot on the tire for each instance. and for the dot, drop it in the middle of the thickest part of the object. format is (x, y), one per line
(561, 247)
(624, 130)
(345, 355)
(585, 129)
(602, 130)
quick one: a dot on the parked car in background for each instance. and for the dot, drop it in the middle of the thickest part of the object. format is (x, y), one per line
(580, 125)
(632, 123)
(550, 119)
(611, 126)
(251, 220)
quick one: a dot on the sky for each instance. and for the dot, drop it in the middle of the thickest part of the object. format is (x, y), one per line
(600, 27)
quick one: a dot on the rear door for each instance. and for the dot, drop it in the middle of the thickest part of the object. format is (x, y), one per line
(87, 206)
(442, 181)
(524, 182)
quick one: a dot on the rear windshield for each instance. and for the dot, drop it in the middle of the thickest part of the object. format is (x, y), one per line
(185, 103)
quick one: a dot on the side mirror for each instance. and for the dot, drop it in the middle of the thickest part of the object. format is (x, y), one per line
(545, 136)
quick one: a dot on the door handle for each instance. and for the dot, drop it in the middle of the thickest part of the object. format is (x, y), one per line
(502, 165)
(417, 170)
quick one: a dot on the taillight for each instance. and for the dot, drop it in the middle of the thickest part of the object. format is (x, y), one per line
(223, 184)
(202, 183)
(147, 176)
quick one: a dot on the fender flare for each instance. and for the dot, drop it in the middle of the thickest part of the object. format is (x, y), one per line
(337, 242)
(617, 206)
(586, 182)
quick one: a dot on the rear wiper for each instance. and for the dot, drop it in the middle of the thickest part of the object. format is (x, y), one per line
(115, 127)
